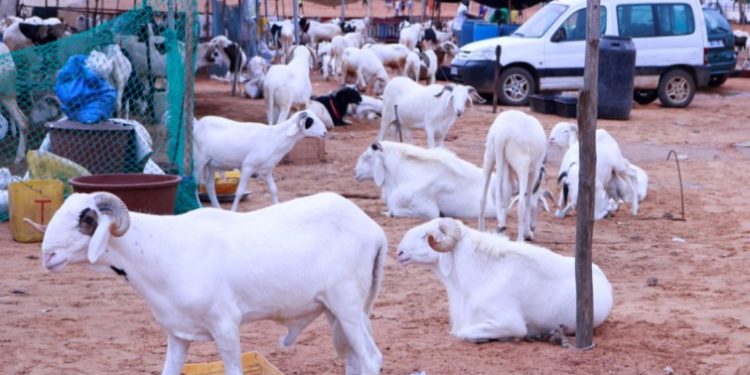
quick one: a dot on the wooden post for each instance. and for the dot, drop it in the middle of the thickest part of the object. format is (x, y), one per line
(343, 10)
(187, 100)
(495, 94)
(587, 114)
(238, 56)
(424, 10)
(295, 19)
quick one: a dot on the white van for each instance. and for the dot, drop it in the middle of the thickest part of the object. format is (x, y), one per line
(547, 52)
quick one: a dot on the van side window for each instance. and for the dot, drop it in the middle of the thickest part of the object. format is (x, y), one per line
(651, 20)
(574, 28)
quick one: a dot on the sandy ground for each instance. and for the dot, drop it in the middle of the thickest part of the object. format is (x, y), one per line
(695, 320)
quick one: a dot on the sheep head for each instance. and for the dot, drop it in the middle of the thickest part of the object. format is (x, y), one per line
(431, 243)
(370, 165)
(96, 216)
(309, 125)
(563, 134)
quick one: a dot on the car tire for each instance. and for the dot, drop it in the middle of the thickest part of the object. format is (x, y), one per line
(676, 88)
(645, 96)
(716, 81)
(516, 86)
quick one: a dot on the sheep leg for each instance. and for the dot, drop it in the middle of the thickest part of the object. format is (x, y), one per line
(341, 345)
(352, 320)
(211, 186)
(272, 188)
(430, 132)
(228, 340)
(283, 114)
(489, 330)
(487, 166)
(177, 350)
(295, 327)
(244, 179)
(503, 191)
(521, 167)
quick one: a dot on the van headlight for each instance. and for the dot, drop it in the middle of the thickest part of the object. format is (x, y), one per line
(482, 54)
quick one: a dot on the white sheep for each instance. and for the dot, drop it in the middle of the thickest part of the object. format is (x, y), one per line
(369, 108)
(326, 61)
(339, 43)
(418, 182)
(256, 68)
(515, 148)
(433, 108)
(610, 164)
(410, 35)
(288, 85)
(223, 144)
(205, 273)
(500, 289)
(365, 70)
(318, 32)
(391, 55)
(113, 66)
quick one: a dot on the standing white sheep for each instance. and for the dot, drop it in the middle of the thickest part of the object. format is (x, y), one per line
(516, 147)
(288, 85)
(223, 144)
(433, 108)
(205, 273)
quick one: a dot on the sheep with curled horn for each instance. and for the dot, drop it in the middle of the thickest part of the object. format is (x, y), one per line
(204, 273)
(500, 289)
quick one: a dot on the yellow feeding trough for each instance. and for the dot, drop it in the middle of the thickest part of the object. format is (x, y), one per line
(226, 185)
(253, 363)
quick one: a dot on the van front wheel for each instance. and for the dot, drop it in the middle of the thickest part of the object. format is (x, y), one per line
(516, 86)
(676, 88)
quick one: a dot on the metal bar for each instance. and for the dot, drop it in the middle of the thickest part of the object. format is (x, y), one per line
(187, 99)
(495, 93)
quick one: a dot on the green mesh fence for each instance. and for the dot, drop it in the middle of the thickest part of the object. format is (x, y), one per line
(143, 60)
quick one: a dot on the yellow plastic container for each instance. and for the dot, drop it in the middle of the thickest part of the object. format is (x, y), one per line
(226, 185)
(37, 200)
(253, 363)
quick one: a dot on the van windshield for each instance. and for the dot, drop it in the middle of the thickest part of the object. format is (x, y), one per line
(540, 22)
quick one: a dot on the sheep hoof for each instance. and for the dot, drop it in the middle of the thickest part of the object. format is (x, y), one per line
(528, 238)
(501, 229)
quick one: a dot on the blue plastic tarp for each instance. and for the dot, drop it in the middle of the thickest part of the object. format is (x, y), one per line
(85, 96)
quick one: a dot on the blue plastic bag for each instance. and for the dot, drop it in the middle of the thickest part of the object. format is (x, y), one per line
(85, 96)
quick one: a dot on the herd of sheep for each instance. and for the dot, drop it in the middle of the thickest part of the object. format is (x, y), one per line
(205, 273)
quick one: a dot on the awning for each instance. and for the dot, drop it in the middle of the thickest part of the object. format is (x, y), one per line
(515, 4)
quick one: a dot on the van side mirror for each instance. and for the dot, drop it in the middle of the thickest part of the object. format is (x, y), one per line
(558, 36)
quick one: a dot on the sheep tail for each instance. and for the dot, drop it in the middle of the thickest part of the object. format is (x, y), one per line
(377, 273)
(397, 123)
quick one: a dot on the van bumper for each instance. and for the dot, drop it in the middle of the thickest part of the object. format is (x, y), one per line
(479, 74)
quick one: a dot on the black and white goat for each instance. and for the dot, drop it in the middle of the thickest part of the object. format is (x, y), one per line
(337, 103)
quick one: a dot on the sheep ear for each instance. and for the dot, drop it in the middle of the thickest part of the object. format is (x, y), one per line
(445, 263)
(378, 172)
(100, 238)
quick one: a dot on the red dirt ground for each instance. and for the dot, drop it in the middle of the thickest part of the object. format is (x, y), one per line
(695, 320)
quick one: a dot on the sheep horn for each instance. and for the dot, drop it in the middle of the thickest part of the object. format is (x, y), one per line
(451, 233)
(111, 205)
(445, 88)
